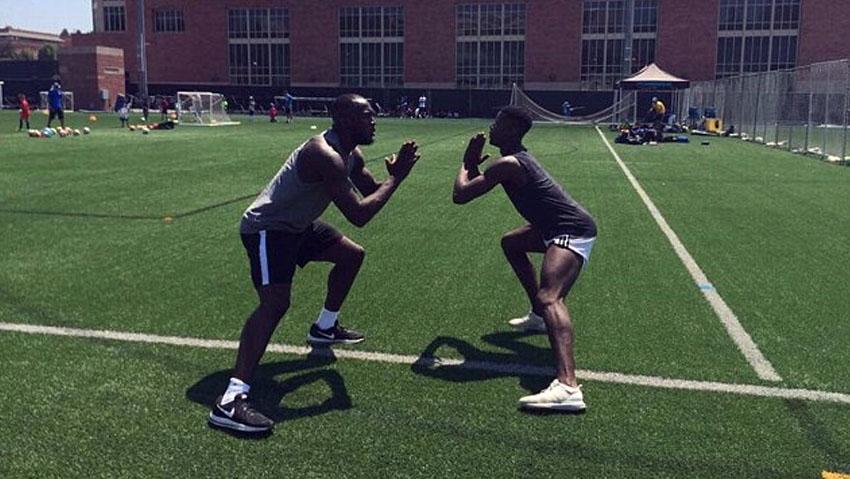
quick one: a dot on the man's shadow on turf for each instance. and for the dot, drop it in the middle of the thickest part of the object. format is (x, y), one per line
(268, 393)
(499, 365)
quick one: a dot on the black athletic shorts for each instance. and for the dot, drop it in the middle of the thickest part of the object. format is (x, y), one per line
(58, 112)
(274, 254)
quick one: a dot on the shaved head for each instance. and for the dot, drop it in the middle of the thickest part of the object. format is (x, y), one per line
(353, 117)
(345, 106)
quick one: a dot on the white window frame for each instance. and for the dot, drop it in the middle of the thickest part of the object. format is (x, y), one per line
(266, 42)
(612, 72)
(484, 80)
(389, 75)
(764, 34)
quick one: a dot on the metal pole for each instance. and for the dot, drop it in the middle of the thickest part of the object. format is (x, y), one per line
(628, 29)
(790, 136)
(756, 114)
(809, 122)
(143, 58)
(846, 112)
(826, 111)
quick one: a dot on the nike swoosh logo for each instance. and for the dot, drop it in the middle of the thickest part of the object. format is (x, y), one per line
(226, 412)
(324, 335)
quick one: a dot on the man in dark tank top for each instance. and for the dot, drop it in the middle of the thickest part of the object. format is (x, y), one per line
(281, 230)
(558, 227)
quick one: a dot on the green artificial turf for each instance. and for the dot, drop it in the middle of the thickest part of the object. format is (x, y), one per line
(85, 245)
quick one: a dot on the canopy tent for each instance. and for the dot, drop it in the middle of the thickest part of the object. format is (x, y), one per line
(651, 77)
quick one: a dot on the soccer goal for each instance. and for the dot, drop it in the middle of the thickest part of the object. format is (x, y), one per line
(202, 108)
(67, 100)
(622, 109)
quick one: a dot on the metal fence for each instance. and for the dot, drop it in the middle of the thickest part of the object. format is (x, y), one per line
(804, 110)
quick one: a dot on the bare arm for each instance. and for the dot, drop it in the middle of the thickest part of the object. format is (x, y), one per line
(361, 176)
(360, 211)
(470, 182)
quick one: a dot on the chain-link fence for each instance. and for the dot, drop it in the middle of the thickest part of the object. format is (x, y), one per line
(804, 110)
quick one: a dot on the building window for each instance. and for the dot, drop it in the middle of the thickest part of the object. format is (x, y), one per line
(603, 45)
(757, 36)
(169, 21)
(114, 19)
(259, 46)
(490, 50)
(371, 46)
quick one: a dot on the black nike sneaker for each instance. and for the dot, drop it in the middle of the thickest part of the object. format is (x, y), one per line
(333, 335)
(239, 415)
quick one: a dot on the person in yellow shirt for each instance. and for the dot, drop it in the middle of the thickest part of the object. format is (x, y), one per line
(657, 112)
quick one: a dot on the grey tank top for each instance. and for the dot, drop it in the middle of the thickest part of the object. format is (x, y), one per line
(287, 203)
(545, 204)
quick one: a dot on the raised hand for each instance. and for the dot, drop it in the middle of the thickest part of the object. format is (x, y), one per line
(399, 166)
(473, 157)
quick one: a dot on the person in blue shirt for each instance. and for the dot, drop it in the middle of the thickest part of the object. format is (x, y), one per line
(288, 101)
(54, 104)
(567, 108)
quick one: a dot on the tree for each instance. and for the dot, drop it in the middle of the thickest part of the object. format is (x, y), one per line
(47, 52)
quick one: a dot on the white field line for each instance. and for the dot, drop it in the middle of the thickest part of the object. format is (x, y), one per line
(739, 335)
(433, 362)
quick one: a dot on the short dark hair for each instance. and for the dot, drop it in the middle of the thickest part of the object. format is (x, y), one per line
(520, 116)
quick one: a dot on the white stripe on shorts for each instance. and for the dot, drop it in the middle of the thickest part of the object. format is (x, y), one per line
(264, 260)
(580, 246)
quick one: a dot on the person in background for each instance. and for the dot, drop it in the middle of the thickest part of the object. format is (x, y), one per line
(422, 109)
(252, 108)
(24, 105)
(272, 112)
(55, 98)
(288, 105)
(123, 109)
(566, 108)
(146, 109)
(163, 108)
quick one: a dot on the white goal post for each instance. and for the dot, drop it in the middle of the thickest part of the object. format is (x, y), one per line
(202, 108)
(67, 100)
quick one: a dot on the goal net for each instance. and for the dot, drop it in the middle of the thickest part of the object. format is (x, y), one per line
(622, 109)
(201, 108)
(67, 100)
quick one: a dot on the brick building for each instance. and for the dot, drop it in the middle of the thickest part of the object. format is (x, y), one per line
(25, 44)
(95, 74)
(458, 46)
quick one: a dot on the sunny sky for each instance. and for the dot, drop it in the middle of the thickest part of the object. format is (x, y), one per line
(49, 16)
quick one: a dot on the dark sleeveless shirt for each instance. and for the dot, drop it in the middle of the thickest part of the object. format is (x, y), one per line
(545, 204)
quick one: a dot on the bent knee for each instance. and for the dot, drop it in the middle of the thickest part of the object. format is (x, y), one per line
(548, 298)
(509, 243)
(355, 254)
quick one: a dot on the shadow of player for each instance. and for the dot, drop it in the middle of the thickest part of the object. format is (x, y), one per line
(480, 365)
(268, 393)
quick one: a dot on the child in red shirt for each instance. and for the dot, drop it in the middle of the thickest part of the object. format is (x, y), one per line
(25, 112)
(273, 113)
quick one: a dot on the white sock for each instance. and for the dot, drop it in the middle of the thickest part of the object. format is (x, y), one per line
(327, 319)
(235, 388)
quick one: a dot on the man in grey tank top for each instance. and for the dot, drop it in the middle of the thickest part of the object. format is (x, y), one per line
(558, 227)
(280, 230)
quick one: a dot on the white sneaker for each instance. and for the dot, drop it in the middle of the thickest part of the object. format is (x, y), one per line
(529, 322)
(557, 396)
